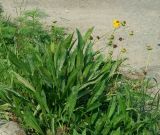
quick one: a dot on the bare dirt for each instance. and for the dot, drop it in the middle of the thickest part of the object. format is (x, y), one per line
(142, 16)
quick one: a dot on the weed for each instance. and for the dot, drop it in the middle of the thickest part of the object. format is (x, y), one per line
(55, 84)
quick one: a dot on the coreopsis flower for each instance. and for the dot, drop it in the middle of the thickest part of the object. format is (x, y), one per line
(116, 24)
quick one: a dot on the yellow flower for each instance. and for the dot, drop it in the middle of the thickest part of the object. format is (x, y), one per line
(123, 50)
(116, 24)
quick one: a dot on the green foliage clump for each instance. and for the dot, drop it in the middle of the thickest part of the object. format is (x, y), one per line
(30, 29)
(21, 34)
(24, 30)
(57, 85)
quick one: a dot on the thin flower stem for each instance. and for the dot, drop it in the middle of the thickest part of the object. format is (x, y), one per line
(148, 60)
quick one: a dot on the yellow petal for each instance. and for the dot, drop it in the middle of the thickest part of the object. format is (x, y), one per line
(116, 23)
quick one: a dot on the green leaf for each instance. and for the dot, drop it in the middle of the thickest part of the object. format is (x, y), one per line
(17, 62)
(84, 132)
(106, 68)
(67, 42)
(80, 60)
(93, 107)
(112, 107)
(80, 41)
(16, 94)
(88, 53)
(94, 117)
(53, 126)
(75, 132)
(41, 98)
(59, 57)
(4, 107)
(88, 34)
(31, 121)
(100, 87)
(87, 70)
(107, 128)
(3, 94)
(24, 82)
(118, 119)
(91, 82)
(99, 126)
(115, 67)
(46, 74)
(52, 47)
(71, 79)
(122, 103)
(117, 132)
(72, 61)
(71, 101)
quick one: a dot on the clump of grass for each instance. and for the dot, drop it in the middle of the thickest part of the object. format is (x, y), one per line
(59, 85)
